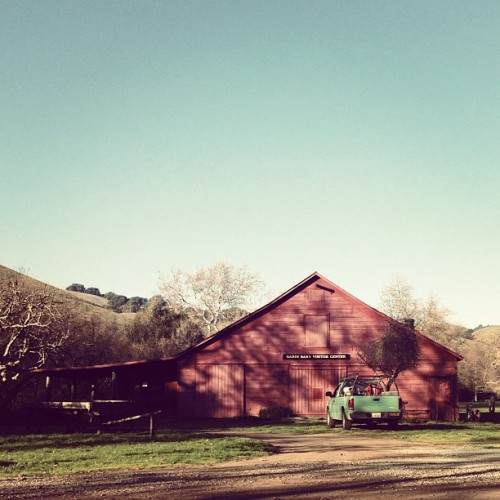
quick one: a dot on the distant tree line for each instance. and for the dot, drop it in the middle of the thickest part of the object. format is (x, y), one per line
(117, 303)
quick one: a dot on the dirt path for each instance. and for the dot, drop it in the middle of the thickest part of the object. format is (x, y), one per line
(321, 466)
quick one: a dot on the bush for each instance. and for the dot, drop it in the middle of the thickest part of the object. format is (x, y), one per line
(275, 413)
(135, 304)
(93, 291)
(76, 287)
(116, 302)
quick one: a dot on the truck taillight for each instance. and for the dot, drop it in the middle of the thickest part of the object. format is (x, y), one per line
(350, 404)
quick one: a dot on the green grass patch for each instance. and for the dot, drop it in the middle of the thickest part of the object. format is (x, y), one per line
(254, 425)
(485, 435)
(439, 433)
(68, 453)
(200, 442)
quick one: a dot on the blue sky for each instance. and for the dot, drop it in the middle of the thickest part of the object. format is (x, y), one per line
(357, 139)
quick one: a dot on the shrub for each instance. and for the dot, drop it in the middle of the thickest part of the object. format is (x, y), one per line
(275, 413)
(135, 304)
(76, 287)
(116, 302)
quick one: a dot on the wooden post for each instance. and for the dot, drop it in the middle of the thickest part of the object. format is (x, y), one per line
(48, 388)
(151, 426)
(113, 384)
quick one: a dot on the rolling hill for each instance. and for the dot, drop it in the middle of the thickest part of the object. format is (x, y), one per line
(83, 304)
(488, 333)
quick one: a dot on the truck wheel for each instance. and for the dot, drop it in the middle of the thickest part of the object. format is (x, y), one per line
(330, 422)
(346, 423)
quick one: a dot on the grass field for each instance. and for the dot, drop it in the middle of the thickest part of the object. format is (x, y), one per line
(201, 442)
(66, 453)
(481, 434)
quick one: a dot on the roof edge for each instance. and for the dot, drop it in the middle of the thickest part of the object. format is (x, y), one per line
(253, 315)
(388, 318)
(107, 366)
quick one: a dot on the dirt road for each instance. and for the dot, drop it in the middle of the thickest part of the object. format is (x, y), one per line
(321, 466)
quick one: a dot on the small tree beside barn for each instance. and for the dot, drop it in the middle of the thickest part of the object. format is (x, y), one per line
(394, 352)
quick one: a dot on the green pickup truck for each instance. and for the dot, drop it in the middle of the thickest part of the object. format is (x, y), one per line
(363, 400)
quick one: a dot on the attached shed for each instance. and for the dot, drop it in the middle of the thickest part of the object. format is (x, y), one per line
(147, 384)
(291, 351)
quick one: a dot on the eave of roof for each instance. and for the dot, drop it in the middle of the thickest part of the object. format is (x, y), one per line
(252, 316)
(92, 371)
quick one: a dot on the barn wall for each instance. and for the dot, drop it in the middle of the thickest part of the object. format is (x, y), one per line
(243, 370)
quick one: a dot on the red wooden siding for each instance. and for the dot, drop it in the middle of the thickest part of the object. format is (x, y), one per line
(442, 391)
(265, 386)
(219, 391)
(187, 391)
(308, 385)
(317, 330)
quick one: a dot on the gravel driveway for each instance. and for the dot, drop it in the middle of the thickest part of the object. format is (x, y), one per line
(309, 466)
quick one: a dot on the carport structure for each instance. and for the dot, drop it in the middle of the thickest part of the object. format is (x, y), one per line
(109, 391)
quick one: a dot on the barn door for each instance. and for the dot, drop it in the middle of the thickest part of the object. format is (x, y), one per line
(308, 385)
(219, 391)
(265, 386)
(441, 402)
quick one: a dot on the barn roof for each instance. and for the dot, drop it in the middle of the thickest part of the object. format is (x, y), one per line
(311, 279)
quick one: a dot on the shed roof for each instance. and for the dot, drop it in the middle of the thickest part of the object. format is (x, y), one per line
(135, 370)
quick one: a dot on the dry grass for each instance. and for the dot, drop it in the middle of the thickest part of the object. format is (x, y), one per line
(85, 305)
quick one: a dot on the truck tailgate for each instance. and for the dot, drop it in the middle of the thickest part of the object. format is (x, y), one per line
(376, 404)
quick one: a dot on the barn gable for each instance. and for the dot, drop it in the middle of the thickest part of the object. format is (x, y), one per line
(290, 351)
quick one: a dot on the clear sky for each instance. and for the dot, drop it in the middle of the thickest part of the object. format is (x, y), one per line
(358, 139)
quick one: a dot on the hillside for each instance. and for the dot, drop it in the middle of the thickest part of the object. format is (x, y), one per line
(83, 304)
(91, 299)
(488, 333)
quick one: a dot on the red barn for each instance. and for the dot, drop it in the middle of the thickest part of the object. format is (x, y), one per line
(287, 353)
(291, 351)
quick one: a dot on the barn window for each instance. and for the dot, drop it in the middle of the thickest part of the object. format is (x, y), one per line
(317, 330)
(317, 295)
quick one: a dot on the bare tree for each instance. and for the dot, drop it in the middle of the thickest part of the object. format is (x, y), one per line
(30, 328)
(212, 294)
(397, 300)
(429, 315)
(394, 352)
(480, 369)
(94, 339)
